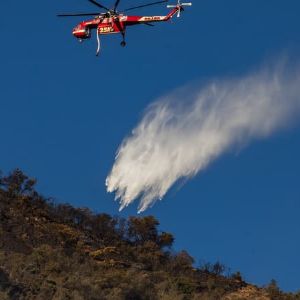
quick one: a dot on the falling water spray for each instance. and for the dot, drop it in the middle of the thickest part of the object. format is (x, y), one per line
(181, 133)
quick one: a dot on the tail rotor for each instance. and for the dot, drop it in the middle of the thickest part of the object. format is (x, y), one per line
(180, 7)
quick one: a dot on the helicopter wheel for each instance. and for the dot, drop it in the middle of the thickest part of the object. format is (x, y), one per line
(123, 44)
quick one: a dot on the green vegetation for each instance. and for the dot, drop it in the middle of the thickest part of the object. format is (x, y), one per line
(56, 251)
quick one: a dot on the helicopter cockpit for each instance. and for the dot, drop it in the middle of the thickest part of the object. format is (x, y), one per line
(82, 31)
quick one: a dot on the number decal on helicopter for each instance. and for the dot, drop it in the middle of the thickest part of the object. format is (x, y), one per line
(106, 29)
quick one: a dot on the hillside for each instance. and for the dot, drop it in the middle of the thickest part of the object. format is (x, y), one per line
(56, 251)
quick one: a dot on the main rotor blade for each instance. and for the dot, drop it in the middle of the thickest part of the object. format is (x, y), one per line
(149, 4)
(99, 5)
(79, 14)
(116, 4)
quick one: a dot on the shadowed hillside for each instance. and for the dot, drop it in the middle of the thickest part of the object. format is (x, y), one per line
(56, 251)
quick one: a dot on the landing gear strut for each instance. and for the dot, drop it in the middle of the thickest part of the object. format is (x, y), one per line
(123, 43)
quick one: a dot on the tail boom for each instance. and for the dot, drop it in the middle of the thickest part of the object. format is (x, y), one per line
(133, 20)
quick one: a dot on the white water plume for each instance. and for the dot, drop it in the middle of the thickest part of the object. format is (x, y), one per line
(181, 133)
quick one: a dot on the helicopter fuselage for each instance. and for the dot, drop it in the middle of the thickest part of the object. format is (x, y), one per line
(116, 24)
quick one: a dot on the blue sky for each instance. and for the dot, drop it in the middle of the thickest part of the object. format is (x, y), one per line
(64, 113)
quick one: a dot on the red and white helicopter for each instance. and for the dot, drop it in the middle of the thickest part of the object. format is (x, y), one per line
(111, 21)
